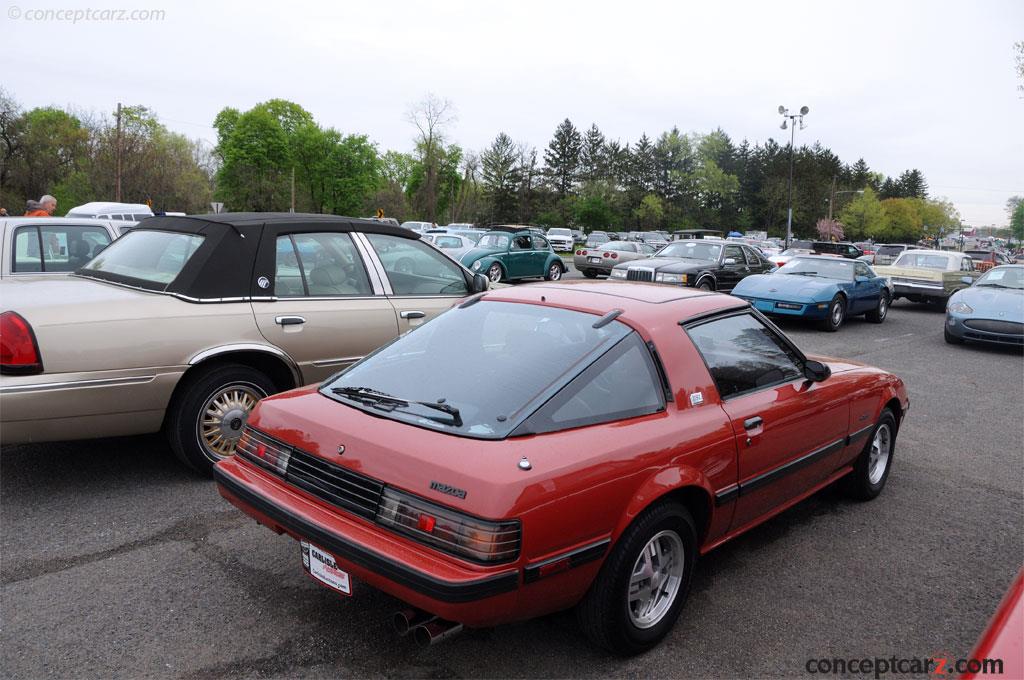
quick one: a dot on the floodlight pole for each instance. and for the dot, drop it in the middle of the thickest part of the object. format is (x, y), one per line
(793, 118)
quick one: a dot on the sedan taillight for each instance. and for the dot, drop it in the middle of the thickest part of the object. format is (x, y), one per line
(19, 351)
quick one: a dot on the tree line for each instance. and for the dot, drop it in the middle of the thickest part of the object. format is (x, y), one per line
(275, 155)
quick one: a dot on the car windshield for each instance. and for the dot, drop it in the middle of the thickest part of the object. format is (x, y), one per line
(819, 267)
(890, 250)
(1003, 277)
(692, 250)
(150, 256)
(559, 232)
(529, 351)
(494, 241)
(922, 260)
(621, 246)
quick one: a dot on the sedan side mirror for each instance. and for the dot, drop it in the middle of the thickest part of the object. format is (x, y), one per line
(480, 283)
(816, 371)
(729, 261)
(966, 279)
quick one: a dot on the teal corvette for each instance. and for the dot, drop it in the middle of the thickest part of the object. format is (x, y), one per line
(512, 252)
(826, 289)
(991, 310)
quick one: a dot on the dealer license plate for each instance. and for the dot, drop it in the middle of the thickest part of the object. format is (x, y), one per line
(324, 569)
(595, 260)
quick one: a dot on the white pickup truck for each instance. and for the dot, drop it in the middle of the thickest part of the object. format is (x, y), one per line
(51, 245)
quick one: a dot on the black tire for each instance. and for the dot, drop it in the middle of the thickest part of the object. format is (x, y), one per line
(590, 273)
(950, 338)
(495, 273)
(604, 614)
(706, 284)
(863, 483)
(836, 314)
(554, 272)
(878, 314)
(183, 423)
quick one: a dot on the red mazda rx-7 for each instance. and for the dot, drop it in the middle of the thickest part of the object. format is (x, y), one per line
(558, 445)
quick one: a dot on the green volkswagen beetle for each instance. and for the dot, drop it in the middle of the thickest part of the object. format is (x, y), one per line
(507, 253)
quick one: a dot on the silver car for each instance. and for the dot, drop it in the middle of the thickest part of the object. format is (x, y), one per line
(186, 322)
(593, 262)
(452, 245)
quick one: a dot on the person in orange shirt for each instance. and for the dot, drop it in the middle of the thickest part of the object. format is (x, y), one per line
(47, 204)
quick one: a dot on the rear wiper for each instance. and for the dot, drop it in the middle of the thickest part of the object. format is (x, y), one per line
(387, 402)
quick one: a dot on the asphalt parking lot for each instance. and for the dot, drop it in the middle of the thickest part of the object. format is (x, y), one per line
(117, 562)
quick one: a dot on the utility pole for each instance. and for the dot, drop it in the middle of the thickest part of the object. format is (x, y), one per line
(832, 199)
(117, 189)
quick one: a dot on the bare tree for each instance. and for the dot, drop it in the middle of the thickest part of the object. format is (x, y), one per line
(431, 116)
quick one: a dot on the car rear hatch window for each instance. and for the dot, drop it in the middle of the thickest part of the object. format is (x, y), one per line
(478, 370)
(890, 251)
(151, 258)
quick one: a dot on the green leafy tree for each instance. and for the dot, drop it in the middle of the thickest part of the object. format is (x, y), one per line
(562, 158)
(864, 217)
(50, 145)
(256, 161)
(650, 212)
(902, 220)
(432, 116)
(1017, 222)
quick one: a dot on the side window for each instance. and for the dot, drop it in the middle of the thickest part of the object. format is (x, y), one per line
(414, 268)
(967, 264)
(621, 384)
(540, 243)
(319, 265)
(736, 253)
(861, 269)
(27, 256)
(742, 354)
(522, 242)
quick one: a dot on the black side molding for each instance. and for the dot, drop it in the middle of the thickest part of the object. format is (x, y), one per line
(587, 553)
(425, 584)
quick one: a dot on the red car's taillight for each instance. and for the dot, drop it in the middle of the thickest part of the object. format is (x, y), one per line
(453, 532)
(19, 351)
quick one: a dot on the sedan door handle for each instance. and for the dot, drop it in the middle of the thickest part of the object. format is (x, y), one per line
(412, 315)
(753, 423)
(289, 320)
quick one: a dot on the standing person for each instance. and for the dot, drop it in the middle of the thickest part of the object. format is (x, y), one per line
(3, 212)
(43, 208)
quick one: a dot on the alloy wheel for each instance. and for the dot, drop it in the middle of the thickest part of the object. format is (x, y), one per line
(878, 457)
(655, 579)
(224, 415)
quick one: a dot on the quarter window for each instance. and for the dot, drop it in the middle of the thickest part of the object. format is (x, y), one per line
(319, 265)
(414, 268)
(743, 355)
(621, 384)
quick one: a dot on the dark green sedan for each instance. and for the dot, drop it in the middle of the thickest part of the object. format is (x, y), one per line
(508, 253)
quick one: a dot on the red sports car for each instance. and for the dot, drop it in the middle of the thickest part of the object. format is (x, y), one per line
(558, 445)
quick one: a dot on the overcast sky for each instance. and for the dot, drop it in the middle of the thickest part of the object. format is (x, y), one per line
(929, 84)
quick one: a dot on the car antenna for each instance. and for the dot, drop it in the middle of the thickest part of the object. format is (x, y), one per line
(607, 318)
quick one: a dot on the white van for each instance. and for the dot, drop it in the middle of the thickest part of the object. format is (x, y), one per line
(127, 214)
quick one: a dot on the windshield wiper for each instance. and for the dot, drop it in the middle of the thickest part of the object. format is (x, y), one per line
(387, 402)
(994, 285)
(801, 273)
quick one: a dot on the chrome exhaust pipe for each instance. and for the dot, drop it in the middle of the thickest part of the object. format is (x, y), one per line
(407, 619)
(435, 631)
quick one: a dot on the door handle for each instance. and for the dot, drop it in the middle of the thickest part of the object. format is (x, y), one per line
(753, 423)
(412, 315)
(289, 320)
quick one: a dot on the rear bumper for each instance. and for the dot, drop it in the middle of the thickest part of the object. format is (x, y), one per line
(362, 548)
(921, 291)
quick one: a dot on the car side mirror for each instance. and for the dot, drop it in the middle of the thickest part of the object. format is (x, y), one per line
(480, 283)
(816, 371)
(966, 279)
(729, 261)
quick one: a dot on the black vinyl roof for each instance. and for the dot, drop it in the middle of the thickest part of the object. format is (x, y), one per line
(237, 249)
(197, 223)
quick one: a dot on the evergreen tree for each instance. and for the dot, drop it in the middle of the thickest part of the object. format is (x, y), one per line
(562, 158)
(501, 177)
(594, 158)
(643, 175)
(890, 189)
(913, 185)
(860, 174)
